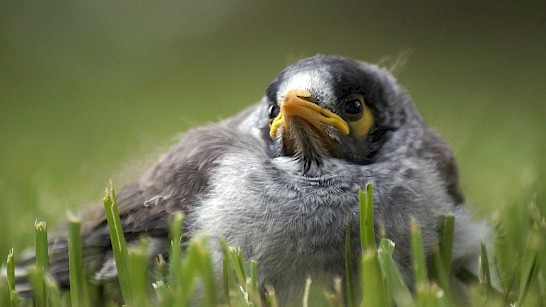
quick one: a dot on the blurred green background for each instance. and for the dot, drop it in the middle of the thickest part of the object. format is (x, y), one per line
(92, 90)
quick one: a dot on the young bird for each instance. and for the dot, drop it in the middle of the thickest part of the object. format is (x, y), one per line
(280, 180)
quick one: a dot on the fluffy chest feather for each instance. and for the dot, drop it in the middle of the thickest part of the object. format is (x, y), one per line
(292, 225)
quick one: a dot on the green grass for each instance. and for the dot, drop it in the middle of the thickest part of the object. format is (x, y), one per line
(78, 293)
(190, 278)
(119, 246)
(9, 286)
(42, 265)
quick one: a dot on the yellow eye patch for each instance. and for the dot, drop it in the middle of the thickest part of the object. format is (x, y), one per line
(363, 125)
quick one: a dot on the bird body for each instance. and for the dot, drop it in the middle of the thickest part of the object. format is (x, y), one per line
(280, 180)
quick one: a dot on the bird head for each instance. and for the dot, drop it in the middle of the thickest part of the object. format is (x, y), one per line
(333, 107)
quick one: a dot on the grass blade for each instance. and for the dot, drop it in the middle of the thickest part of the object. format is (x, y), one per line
(418, 255)
(485, 274)
(270, 297)
(78, 290)
(175, 256)
(5, 295)
(306, 292)
(442, 255)
(529, 265)
(163, 292)
(395, 282)
(252, 283)
(207, 273)
(119, 246)
(54, 297)
(229, 282)
(238, 262)
(138, 273)
(167, 292)
(423, 291)
(188, 273)
(431, 295)
(37, 280)
(42, 256)
(367, 232)
(372, 281)
(349, 288)
(446, 240)
(335, 298)
(42, 263)
(10, 274)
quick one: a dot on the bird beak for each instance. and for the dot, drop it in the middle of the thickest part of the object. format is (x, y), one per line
(296, 103)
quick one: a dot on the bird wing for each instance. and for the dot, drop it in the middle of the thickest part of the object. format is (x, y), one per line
(175, 183)
(438, 151)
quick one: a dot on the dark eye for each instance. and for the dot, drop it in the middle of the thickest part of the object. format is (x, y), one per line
(354, 108)
(273, 111)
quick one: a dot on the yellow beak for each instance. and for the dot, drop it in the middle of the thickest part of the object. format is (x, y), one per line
(296, 104)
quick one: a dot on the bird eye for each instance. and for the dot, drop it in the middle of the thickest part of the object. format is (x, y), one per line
(358, 114)
(273, 111)
(354, 109)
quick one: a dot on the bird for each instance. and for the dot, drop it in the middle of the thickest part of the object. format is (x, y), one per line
(280, 181)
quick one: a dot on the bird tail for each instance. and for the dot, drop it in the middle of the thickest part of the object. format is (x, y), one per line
(58, 268)
(23, 269)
